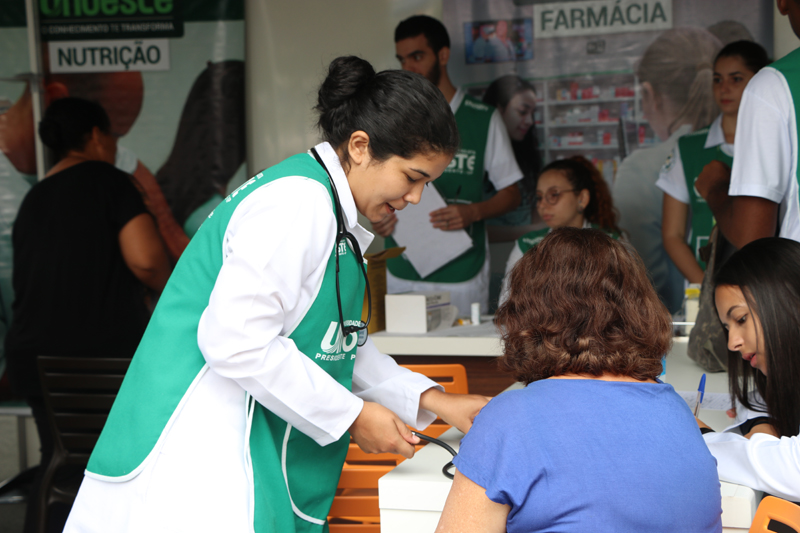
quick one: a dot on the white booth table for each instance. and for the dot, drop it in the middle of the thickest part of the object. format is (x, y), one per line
(412, 495)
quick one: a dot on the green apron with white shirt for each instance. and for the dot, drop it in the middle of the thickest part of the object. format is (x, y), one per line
(460, 183)
(532, 238)
(695, 156)
(168, 362)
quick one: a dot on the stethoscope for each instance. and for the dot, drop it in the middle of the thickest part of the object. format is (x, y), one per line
(343, 235)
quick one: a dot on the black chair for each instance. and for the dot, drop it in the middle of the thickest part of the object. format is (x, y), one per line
(78, 393)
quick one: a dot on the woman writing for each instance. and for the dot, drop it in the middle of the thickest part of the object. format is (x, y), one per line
(758, 301)
(85, 249)
(585, 331)
(254, 346)
(675, 74)
(683, 207)
(569, 193)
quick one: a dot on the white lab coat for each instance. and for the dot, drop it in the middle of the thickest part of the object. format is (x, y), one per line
(762, 462)
(274, 251)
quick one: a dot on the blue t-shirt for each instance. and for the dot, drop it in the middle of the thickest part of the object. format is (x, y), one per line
(574, 455)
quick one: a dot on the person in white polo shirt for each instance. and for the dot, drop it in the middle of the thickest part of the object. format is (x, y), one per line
(758, 197)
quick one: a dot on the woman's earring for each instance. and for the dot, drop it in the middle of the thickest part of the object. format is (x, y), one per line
(580, 209)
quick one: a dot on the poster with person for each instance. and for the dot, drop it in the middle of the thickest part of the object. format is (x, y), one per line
(170, 75)
(581, 58)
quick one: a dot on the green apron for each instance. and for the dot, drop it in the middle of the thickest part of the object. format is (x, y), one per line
(168, 362)
(695, 156)
(460, 183)
(532, 238)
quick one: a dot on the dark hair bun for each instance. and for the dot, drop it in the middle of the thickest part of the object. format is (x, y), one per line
(346, 76)
(403, 113)
(51, 134)
(68, 123)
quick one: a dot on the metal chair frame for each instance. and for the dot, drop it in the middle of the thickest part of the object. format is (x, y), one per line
(78, 393)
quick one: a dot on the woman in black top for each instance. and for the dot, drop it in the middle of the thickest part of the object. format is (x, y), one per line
(85, 247)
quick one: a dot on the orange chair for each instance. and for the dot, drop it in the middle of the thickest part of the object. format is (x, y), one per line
(452, 377)
(774, 510)
(355, 507)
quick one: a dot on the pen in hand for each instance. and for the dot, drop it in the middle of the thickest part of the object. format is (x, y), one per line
(701, 390)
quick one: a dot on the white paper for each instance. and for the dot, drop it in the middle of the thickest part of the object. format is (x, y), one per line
(715, 401)
(428, 248)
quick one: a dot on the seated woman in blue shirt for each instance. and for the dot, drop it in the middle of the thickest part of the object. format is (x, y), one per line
(593, 442)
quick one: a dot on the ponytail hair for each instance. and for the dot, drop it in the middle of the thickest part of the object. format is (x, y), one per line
(582, 174)
(403, 113)
(679, 65)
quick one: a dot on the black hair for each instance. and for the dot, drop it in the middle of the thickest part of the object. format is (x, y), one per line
(433, 30)
(582, 174)
(210, 142)
(753, 55)
(766, 272)
(526, 152)
(403, 113)
(68, 124)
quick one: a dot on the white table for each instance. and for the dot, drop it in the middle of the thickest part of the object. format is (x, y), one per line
(480, 340)
(412, 496)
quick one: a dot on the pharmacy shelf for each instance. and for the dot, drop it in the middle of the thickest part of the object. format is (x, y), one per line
(589, 101)
(576, 147)
(593, 123)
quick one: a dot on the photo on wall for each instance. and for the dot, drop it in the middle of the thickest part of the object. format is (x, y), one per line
(498, 41)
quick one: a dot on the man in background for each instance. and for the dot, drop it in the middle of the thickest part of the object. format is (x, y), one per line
(422, 45)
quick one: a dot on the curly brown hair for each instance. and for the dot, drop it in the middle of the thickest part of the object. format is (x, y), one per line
(581, 303)
(582, 174)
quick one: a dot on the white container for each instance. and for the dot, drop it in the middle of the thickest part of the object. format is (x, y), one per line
(475, 313)
(416, 312)
(691, 304)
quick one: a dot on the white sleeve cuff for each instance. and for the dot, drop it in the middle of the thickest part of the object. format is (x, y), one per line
(755, 189)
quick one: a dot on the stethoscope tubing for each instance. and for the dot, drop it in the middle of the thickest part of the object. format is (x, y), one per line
(446, 468)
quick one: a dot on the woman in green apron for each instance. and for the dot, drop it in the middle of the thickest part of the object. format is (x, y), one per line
(687, 220)
(569, 193)
(235, 412)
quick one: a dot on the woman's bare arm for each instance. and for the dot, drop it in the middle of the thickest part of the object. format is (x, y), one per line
(468, 510)
(144, 252)
(673, 233)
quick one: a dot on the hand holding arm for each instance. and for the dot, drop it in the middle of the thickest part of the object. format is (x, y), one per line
(458, 410)
(378, 430)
